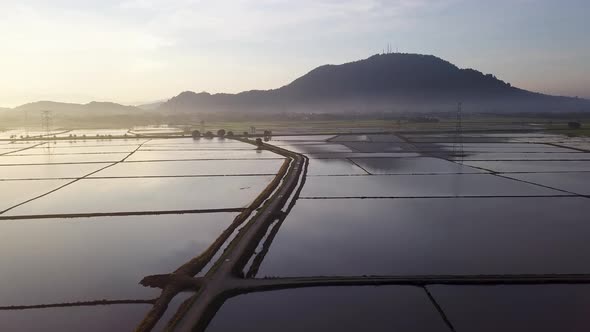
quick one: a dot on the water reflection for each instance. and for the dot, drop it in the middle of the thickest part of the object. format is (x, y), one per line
(95, 195)
(439, 185)
(542, 308)
(120, 317)
(419, 165)
(385, 308)
(431, 236)
(69, 260)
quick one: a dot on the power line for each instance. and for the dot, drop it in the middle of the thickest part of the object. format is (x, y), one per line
(458, 141)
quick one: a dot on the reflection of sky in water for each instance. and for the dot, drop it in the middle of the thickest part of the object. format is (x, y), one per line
(147, 194)
(70, 260)
(542, 308)
(199, 167)
(416, 186)
(431, 236)
(61, 158)
(119, 317)
(384, 308)
(412, 166)
(15, 192)
(48, 171)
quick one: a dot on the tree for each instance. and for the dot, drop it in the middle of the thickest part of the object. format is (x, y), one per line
(574, 125)
(221, 132)
(196, 134)
(230, 134)
(209, 134)
(259, 142)
(245, 134)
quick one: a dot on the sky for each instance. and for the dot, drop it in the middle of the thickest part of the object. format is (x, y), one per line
(139, 51)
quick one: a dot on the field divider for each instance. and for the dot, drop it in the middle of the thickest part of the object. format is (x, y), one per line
(176, 281)
(119, 214)
(71, 182)
(75, 304)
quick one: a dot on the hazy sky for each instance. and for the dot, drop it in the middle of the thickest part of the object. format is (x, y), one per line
(133, 51)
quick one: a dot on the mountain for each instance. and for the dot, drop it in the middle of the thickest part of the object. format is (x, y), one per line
(151, 106)
(384, 82)
(93, 108)
(70, 115)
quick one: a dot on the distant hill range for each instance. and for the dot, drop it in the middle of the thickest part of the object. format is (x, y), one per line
(95, 108)
(394, 82)
(384, 82)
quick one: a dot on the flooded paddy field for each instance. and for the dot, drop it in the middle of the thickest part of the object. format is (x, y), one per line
(82, 222)
(387, 308)
(428, 210)
(515, 308)
(380, 232)
(107, 255)
(431, 236)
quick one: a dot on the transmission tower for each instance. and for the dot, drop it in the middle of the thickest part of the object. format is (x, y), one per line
(458, 142)
(26, 123)
(46, 119)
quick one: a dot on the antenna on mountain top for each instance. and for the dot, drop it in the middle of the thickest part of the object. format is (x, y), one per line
(458, 141)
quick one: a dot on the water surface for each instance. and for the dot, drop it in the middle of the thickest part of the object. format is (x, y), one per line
(62, 158)
(119, 317)
(420, 186)
(83, 259)
(202, 154)
(49, 171)
(542, 308)
(385, 308)
(432, 236)
(422, 165)
(18, 191)
(198, 167)
(532, 166)
(95, 195)
(578, 183)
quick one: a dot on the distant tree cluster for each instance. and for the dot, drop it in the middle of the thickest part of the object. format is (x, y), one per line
(574, 125)
(267, 135)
